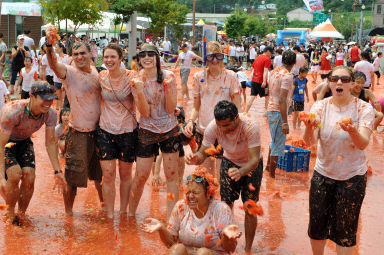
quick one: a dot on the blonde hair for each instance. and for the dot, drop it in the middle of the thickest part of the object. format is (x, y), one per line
(214, 47)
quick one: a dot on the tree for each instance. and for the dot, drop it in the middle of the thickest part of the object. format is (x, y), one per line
(234, 25)
(79, 12)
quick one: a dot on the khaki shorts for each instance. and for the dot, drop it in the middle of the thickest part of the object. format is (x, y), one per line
(81, 162)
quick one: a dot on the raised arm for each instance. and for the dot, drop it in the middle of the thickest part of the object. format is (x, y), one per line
(59, 68)
(170, 93)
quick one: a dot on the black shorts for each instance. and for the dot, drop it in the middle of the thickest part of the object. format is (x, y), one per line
(110, 146)
(24, 94)
(256, 89)
(21, 153)
(199, 141)
(168, 142)
(334, 208)
(298, 106)
(230, 189)
(243, 84)
(377, 74)
(50, 80)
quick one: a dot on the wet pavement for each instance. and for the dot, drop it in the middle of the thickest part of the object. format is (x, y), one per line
(282, 229)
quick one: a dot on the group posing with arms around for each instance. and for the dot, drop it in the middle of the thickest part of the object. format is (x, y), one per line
(99, 134)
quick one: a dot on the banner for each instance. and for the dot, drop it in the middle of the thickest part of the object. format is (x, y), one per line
(314, 5)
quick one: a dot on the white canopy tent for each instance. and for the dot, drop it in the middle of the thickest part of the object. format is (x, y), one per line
(325, 30)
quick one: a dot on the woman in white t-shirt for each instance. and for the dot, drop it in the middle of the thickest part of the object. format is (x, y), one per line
(340, 175)
(199, 224)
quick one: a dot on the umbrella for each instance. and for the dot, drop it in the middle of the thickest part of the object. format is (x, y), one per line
(271, 35)
(351, 43)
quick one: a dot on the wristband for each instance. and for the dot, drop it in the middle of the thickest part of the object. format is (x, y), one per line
(58, 171)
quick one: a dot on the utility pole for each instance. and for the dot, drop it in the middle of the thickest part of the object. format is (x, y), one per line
(193, 23)
(132, 38)
(353, 19)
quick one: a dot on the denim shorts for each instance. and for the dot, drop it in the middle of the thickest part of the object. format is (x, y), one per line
(275, 121)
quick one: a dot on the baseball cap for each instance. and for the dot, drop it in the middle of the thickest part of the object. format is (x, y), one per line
(268, 48)
(20, 37)
(43, 90)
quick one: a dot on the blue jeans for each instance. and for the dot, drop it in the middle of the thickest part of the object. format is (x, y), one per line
(275, 121)
(14, 76)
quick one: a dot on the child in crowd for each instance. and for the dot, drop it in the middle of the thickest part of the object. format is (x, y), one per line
(61, 130)
(8, 61)
(367, 95)
(4, 93)
(27, 76)
(300, 83)
(134, 64)
(243, 78)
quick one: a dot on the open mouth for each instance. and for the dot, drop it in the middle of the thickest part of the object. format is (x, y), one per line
(339, 90)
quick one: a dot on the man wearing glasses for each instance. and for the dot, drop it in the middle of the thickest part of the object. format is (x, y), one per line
(241, 169)
(81, 83)
(185, 58)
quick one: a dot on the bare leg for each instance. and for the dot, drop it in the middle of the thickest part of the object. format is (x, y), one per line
(318, 246)
(125, 173)
(170, 162)
(181, 168)
(99, 190)
(244, 96)
(344, 250)
(249, 103)
(250, 224)
(143, 170)
(108, 188)
(273, 165)
(69, 199)
(294, 119)
(26, 188)
(14, 174)
(178, 249)
(209, 164)
(156, 179)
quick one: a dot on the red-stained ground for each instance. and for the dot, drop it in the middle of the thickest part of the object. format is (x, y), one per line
(282, 229)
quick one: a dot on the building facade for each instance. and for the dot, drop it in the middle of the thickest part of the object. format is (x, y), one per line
(378, 14)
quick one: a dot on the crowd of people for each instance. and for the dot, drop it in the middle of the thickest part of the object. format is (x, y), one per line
(99, 133)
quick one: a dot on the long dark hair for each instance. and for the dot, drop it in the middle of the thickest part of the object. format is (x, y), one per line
(160, 77)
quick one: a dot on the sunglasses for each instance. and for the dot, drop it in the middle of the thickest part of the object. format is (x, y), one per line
(211, 57)
(344, 79)
(150, 54)
(195, 178)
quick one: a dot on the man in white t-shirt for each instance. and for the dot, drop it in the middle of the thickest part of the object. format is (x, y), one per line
(46, 73)
(29, 42)
(300, 61)
(166, 48)
(232, 52)
(185, 58)
(42, 39)
(241, 170)
(252, 53)
(367, 68)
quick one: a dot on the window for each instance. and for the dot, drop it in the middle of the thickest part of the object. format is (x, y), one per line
(383, 20)
(379, 9)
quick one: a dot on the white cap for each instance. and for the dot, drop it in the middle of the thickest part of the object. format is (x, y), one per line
(20, 37)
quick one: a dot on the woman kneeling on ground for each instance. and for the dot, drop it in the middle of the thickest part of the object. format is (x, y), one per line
(340, 174)
(199, 224)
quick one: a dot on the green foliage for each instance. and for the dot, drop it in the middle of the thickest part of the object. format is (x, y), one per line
(80, 12)
(255, 25)
(162, 13)
(234, 25)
